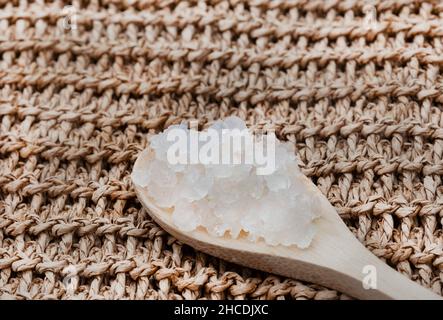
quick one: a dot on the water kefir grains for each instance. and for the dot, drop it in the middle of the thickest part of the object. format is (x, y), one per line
(233, 200)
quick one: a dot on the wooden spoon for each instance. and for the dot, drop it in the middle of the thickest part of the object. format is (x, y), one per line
(335, 258)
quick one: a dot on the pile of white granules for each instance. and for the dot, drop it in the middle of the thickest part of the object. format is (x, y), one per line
(232, 199)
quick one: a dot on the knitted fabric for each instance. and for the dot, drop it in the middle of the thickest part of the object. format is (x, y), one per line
(358, 90)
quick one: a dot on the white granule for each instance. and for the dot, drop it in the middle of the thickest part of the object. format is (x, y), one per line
(232, 199)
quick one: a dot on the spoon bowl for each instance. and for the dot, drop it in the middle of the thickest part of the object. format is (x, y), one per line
(335, 258)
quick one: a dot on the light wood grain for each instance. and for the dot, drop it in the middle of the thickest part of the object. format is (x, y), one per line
(335, 258)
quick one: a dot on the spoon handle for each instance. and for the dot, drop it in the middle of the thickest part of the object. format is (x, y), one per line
(343, 263)
(391, 284)
(359, 273)
(340, 263)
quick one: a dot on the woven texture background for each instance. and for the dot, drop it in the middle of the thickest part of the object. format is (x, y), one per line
(364, 106)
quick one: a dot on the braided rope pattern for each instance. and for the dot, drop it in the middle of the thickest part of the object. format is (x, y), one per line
(364, 108)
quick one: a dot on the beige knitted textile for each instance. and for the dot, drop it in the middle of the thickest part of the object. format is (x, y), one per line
(362, 98)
